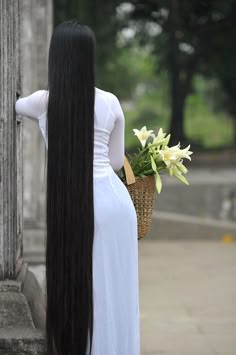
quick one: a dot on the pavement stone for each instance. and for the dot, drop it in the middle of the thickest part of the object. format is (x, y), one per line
(187, 297)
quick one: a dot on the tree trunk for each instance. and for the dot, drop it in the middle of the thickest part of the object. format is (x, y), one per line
(177, 95)
(181, 75)
(177, 116)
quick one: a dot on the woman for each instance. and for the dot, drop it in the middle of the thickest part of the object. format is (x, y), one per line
(92, 246)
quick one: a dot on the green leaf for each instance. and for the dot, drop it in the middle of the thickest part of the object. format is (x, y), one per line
(153, 163)
(158, 182)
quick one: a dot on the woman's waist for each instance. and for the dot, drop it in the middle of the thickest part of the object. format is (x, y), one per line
(102, 167)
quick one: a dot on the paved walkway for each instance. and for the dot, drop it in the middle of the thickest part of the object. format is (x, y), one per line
(187, 297)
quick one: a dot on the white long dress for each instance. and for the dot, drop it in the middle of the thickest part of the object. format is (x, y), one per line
(115, 250)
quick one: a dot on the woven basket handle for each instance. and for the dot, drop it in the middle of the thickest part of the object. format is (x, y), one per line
(129, 174)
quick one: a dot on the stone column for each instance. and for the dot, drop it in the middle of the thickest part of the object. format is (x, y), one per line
(10, 143)
(22, 312)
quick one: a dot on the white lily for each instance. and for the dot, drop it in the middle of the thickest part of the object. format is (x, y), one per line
(143, 134)
(186, 152)
(175, 171)
(161, 138)
(173, 155)
(162, 157)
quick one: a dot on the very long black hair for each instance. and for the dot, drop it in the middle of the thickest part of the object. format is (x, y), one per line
(69, 203)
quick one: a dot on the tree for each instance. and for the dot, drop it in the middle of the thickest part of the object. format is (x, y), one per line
(100, 15)
(221, 55)
(183, 42)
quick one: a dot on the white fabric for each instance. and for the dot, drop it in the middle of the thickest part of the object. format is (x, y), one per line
(115, 250)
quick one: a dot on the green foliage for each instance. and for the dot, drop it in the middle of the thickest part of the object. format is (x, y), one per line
(101, 17)
(124, 71)
(193, 37)
(179, 39)
(205, 122)
(150, 108)
(209, 127)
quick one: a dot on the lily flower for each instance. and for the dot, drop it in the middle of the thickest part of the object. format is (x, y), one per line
(174, 154)
(142, 134)
(157, 156)
(161, 138)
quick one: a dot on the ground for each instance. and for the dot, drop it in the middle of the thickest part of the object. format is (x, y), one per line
(187, 297)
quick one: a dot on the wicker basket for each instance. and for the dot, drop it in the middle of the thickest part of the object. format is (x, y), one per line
(142, 191)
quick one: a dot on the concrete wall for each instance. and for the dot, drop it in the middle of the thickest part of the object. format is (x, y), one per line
(211, 194)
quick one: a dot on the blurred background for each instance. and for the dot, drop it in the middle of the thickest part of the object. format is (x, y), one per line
(171, 62)
(172, 65)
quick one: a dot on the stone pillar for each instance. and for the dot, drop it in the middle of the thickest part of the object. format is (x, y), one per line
(10, 143)
(22, 312)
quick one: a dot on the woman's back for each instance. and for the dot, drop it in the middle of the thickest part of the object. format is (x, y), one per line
(91, 224)
(108, 126)
(115, 247)
(108, 132)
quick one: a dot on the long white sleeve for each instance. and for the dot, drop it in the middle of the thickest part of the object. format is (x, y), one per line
(117, 137)
(32, 106)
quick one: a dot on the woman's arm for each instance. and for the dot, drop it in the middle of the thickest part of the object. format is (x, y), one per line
(117, 137)
(32, 106)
